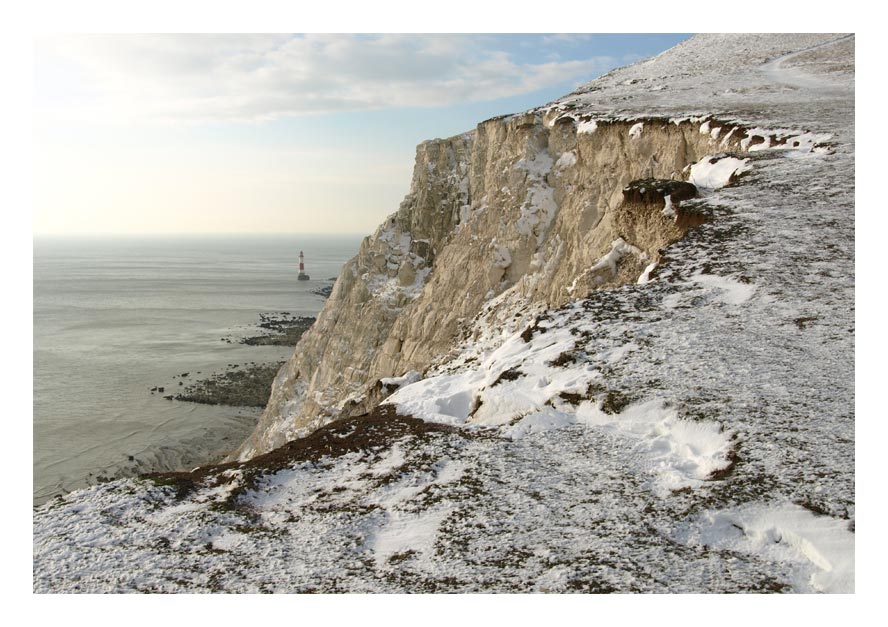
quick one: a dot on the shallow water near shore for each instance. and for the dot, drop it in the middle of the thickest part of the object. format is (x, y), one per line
(115, 317)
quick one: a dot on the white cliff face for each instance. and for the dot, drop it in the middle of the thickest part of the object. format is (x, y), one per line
(532, 203)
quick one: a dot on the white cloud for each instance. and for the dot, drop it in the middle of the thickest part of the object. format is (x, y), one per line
(568, 38)
(261, 77)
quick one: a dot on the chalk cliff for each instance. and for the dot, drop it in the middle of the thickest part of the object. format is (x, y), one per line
(533, 204)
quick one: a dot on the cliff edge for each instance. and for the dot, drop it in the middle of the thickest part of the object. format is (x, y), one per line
(533, 204)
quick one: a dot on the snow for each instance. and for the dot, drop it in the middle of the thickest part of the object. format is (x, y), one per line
(539, 421)
(502, 258)
(619, 247)
(392, 459)
(406, 532)
(539, 206)
(566, 160)
(446, 398)
(480, 396)
(409, 377)
(819, 548)
(587, 127)
(715, 171)
(679, 453)
(605, 269)
(646, 275)
(538, 166)
(726, 290)
(668, 209)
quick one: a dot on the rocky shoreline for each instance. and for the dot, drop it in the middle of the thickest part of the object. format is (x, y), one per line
(278, 329)
(243, 385)
(325, 290)
(247, 386)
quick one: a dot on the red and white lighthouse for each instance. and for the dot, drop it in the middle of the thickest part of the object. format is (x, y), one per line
(302, 275)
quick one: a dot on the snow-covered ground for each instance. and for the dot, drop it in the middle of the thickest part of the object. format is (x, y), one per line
(693, 432)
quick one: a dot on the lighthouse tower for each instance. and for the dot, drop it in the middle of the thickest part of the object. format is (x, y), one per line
(302, 275)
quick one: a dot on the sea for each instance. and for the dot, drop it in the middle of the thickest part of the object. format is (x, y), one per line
(115, 317)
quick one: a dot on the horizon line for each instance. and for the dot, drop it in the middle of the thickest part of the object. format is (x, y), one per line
(194, 234)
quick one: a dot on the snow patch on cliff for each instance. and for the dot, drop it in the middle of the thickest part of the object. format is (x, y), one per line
(668, 209)
(502, 258)
(587, 127)
(566, 160)
(716, 171)
(605, 269)
(539, 206)
(525, 386)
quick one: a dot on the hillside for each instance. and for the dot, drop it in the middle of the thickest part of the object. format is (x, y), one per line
(603, 345)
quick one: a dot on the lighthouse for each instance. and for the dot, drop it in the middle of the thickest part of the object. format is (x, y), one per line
(302, 275)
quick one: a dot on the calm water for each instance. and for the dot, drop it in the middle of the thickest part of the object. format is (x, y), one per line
(113, 318)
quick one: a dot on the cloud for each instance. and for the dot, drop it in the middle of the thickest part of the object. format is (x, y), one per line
(568, 38)
(223, 78)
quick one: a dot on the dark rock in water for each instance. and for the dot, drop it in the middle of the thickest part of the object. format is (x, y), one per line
(245, 387)
(282, 329)
(130, 458)
(184, 374)
(160, 390)
(324, 290)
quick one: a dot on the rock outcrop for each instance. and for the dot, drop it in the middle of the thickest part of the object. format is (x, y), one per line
(531, 203)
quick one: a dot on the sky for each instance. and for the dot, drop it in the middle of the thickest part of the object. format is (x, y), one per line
(188, 134)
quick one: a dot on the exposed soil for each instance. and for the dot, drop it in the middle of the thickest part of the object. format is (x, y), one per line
(376, 430)
(653, 191)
